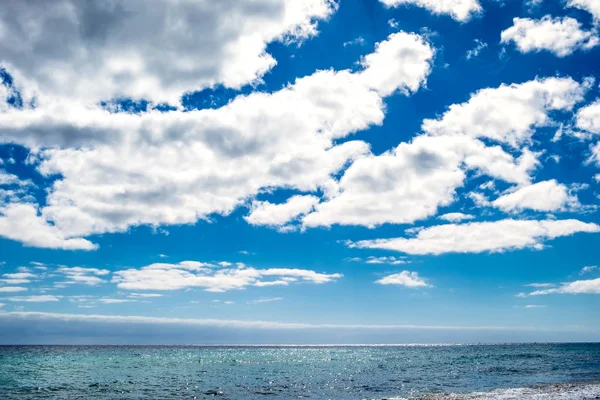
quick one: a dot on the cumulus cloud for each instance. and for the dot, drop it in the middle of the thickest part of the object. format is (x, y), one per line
(22, 223)
(460, 10)
(455, 217)
(86, 276)
(592, 6)
(540, 196)
(509, 114)
(265, 213)
(123, 48)
(561, 36)
(122, 170)
(404, 278)
(478, 237)
(591, 286)
(411, 181)
(180, 276)
(588, 118)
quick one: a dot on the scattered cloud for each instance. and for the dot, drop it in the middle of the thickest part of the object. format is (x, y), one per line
(35, 299)
(360, 41)
(587, 269)
(12, 289)
(19, 275)
(145, 295)
(81, 275)
(267, 300)
(404, 278)
(535, 306)
(39, 233)
(474, 52)
(540, 196)
(588, 118)
(191, 165)
(591, 6)
(455, 217)
(561, 36)
(577, 287)
(106, 300)
(540, 285)
(478, 237)
(180, 276)
(265, 213)
(410, 182)
(460, 10)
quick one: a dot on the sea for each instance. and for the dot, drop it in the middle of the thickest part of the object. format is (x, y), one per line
(499, 371)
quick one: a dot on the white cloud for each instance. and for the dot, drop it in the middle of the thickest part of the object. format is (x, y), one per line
(540, 196)
(411, 58)
(11, 179)
(12, 289)
(540, 285)
(385, 260)
(106, 300)
(535, 306)
(177, 276)
(592, 6)
(358, 41)
(478, 237)
(269, 300)
(587, 269)
(508, 114)
(591, 286)
(456, 217)
(404, 278)
(474, 52)
(595, 154)
(561, 36)
(123, 170)
(15, 281)
(588, 118)
(19, 275)
(124, 48)
(22, 223)
(266, 213)
(35, 299)
(120, 319)
(145, 295)
(86, 276)
(410, 182)
(460, 10)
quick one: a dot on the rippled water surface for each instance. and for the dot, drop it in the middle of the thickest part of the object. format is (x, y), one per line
(365, 372)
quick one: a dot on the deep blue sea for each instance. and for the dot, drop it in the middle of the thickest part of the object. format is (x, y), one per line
(514, 371)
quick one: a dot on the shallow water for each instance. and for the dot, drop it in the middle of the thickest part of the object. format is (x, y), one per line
(356, 372)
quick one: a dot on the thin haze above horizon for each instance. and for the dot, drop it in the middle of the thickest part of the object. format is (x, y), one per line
(299, 171)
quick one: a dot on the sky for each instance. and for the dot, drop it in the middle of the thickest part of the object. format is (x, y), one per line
(299, 171)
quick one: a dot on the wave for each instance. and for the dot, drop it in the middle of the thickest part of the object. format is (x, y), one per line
(550, 392)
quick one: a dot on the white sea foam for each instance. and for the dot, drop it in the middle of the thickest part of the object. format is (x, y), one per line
(551, 392)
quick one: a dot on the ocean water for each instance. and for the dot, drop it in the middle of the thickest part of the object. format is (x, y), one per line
(514, 371)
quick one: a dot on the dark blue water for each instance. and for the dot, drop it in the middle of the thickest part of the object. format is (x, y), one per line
(360, 372)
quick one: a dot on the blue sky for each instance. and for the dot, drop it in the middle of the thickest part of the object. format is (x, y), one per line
(362, 171)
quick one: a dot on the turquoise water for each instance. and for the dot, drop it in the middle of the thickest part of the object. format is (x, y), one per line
(356, 372)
